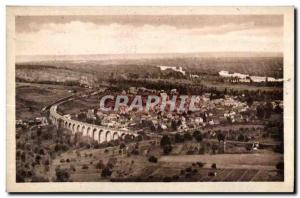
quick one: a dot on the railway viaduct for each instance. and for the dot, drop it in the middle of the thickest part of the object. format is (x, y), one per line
(98, 133)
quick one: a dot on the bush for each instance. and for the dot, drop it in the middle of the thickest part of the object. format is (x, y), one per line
(248, 147)
(122, 145)
(152, 159)
(106, 172)
(200, 164)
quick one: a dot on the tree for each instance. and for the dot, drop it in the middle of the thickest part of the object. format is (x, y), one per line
(214, 166)
(241, 138)
(82, 116)
(165, 140)
(100, 165)
(39, 132)
(187, 137)
(139, 138)
(260, 112)
(248, 147)
(178, 138)
(152, 159)
(200, 164)
(249, 101)
(174, 124)
(167, 149)
(278, 109)
(122, 146)
(268, 110)
(106, 172)
(165, 144)
(62, 175)
(214, 148)
(198, 136)
(221, 137)
(195, 133)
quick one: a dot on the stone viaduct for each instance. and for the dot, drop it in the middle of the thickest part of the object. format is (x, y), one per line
(98, 133)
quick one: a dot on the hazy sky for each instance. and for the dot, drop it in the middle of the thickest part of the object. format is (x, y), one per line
(63, 35)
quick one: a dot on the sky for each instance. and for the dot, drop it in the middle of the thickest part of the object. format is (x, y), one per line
(121, 34)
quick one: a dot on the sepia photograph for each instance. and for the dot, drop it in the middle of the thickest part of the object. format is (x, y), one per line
(150, 99)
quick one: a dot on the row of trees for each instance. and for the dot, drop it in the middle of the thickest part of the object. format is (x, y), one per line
(186, 87)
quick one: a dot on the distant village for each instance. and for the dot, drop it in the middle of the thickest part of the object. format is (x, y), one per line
(238, 77)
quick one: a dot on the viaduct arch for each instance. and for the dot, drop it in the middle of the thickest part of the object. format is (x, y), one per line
(97, 133)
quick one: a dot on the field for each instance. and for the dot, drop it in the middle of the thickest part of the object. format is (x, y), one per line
(266, 161)
(32, 97)
(259, 166)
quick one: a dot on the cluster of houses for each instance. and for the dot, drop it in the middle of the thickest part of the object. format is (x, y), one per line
(228, 109)
(246, 78)
(38, 121)
(212, 112)
(174, 68)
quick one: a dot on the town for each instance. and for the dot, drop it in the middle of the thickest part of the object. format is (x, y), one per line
(232, 136)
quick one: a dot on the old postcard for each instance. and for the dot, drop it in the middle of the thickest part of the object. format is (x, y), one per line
(150, 99)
